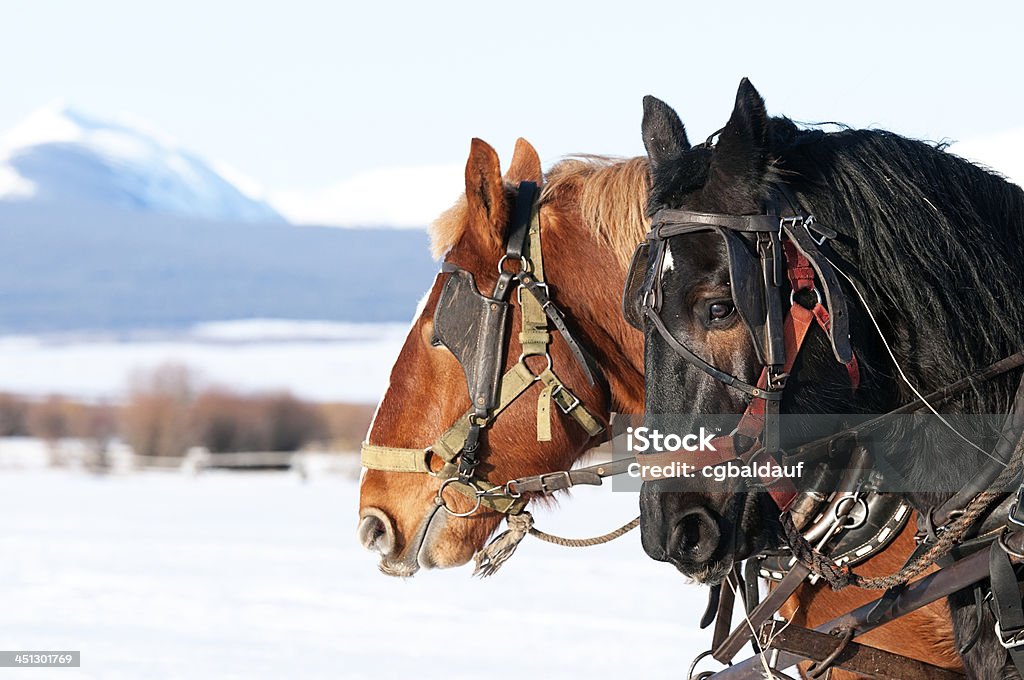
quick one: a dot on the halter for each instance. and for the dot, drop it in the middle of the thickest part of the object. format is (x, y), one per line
(785, 250)
(474, 328)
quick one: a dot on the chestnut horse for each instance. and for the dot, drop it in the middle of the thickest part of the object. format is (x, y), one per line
(591, 214)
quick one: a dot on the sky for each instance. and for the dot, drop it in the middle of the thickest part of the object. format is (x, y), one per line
(365, 111)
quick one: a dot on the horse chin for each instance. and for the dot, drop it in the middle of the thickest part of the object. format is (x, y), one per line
(749, 538)
(418, 553)
(708, 573)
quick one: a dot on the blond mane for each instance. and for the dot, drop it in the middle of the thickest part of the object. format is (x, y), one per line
(611, 194)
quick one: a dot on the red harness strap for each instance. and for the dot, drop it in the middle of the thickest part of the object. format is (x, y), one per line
(801, 277)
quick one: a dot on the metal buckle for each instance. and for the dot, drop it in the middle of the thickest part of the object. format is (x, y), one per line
(808, 224)
(561, 473)
(539, 284)
(1010, 642)
(564, 409)
(1016, 505)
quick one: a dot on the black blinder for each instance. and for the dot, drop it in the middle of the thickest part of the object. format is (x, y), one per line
(472, 327)
(636, 287)
(748, 292)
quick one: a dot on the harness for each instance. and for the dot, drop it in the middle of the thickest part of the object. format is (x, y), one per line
(964, 536)
(475, 329)
(765, 254)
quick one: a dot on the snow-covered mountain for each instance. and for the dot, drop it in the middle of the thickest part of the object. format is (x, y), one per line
(62, 155)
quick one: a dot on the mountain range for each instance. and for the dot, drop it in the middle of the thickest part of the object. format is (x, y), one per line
(109, 225)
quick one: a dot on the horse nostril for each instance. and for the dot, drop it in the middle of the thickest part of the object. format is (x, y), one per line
(695, 536)
(376, 532)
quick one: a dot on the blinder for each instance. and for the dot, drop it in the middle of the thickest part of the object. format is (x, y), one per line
(757, 273)
(644, 282)
(640, 283)
(473, 327)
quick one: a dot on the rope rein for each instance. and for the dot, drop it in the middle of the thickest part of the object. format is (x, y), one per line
(496, 553)
(586, 542)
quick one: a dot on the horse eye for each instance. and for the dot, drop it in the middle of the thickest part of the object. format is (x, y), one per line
(720, 310)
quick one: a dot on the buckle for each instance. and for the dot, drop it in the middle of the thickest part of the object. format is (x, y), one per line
(561, 473)
(1011, 641)
(564, 409)
(1016, 514)
(808, 225)
(539, 284)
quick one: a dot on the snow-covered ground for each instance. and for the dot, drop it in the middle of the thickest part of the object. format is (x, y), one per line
(316, 360)
(163, 575)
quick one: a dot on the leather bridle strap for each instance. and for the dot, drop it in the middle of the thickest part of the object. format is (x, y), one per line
(671, 222)
(754, 391)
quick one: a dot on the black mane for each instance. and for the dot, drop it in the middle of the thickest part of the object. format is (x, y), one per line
(936, 243)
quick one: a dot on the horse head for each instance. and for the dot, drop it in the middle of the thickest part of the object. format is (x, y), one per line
(553, 386)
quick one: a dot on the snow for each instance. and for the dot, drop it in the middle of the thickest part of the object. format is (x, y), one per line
(62, 154)
(162, 575)
(322, 361)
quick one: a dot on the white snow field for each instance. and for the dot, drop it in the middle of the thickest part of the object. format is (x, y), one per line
(317, 360)
(259, 575)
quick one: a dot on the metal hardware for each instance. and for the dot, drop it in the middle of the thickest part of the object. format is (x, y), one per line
(1012, 515)
(439, 500)
(1001, 542)
(536, 376)
(808, 225)
(693, 668)
(1011, 641)
(524, 264)
(510, 488)
(561, 473)
(519, 292)
(565, 409)
(817, 294)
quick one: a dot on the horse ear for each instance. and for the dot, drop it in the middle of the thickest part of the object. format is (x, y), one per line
(525, 166)
(664, 134)
(485, 194)
(742, 149)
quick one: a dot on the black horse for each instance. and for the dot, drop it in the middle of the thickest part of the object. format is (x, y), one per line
(935, 247)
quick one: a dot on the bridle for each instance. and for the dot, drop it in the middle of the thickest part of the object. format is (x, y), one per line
(785, 251)
(474, 328)
(787, 245)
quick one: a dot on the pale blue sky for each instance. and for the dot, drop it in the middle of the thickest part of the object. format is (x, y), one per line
(304, 94)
